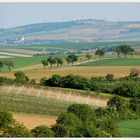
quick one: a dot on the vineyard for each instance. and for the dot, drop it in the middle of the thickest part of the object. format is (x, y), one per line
(58, 95)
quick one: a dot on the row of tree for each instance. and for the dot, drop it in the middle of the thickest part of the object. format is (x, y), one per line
(59, 61)
(8, 63)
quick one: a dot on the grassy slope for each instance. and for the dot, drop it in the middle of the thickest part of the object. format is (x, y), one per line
(31, 104)
(114, 62)
(130, 128)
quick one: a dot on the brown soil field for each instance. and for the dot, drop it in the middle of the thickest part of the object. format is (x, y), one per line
(31, 121)
(88, 72)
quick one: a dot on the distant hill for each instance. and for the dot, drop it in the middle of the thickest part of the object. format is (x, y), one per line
(78, 30)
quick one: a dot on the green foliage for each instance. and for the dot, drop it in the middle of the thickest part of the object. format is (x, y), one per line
(42, 131)
(5, 118)
(100, 52)
(71, 58)
(126, 89)
(83, 112)
(44, 62)
(88, 56)
(10, 128)
(59, 61)
(68, 125)
(51, 60)
(109, 77)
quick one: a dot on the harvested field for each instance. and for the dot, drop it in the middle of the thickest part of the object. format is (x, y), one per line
(86, 71)
(31, 121)
(15, 54)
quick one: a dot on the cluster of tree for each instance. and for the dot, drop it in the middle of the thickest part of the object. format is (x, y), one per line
(128, 86)
(8, 63)
(20, 79)
(124, 49)
(59, 61)
(79, 121)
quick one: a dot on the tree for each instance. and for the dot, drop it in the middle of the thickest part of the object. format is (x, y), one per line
(10, 128)
(83, 112)
(59, 61)
(72, 58)
(88, 56)
(42, 131)
(45, 63)
(132, 51)
(10, 64)
(21, 77)
(1, 65)
(68, 125)
(117, 49)
(100, 52)
(117, 103)
(125, 49)
(51, 60)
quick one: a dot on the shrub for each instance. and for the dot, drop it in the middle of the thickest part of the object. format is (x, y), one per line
(42, 131)
(109, 77)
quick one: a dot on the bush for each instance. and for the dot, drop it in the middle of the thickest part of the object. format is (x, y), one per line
(82, 111)
(109, 77)
(127, 90)
(42, 131)
(72, 126)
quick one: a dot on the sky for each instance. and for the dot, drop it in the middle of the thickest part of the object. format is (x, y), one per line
(16, 14)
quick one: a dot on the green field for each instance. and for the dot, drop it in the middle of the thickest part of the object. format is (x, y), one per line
(32, 105)
(114, 62)
(20, 62)
(130, 128)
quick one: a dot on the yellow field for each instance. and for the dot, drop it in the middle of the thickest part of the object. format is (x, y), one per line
(31, 121)
(118, 71)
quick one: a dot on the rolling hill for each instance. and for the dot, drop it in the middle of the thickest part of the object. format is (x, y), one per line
(89, 30)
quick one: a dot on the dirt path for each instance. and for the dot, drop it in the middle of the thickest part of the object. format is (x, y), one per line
(58, 95)
(31, 121)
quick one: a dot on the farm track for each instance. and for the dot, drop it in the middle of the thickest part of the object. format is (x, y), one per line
(53, 94)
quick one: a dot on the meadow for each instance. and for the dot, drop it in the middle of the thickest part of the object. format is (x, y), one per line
(130, 128)
(114, 62)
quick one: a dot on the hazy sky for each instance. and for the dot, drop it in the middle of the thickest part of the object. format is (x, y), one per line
(15, 14)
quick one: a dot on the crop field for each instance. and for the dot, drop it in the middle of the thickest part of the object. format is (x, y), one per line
(31, 104)
(130, 128)
(37, 72)
(114, 62)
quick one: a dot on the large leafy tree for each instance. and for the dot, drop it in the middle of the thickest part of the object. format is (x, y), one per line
(125, 49)
(100, 52)
(59, 61)
(117, 49)
(45, 63)
(71, 58)
(52, 60)
(9, 64)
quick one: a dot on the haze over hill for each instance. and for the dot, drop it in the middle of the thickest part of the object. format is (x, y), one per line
(88, 30)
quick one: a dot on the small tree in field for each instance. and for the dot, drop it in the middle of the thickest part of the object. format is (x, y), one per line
(59, 61)
(9, 64)
(45, 63)
(51, 60)
(88, 56)
(100, 53)
(117, 49)
(71, 58)
(1, 65)
(125, 49)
